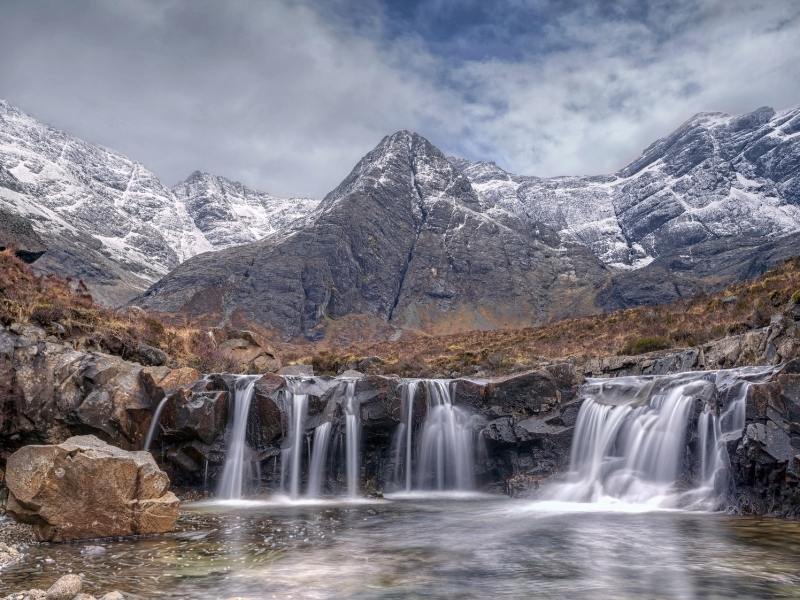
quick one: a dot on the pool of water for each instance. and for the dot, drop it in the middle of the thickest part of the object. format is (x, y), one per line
(440, 547)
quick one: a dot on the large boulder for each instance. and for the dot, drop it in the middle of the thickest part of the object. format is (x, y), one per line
(85, 488)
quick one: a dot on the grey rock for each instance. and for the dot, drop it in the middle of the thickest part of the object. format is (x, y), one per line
(65, 588)
(421, 241)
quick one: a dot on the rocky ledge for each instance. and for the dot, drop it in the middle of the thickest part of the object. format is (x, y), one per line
(50, 392)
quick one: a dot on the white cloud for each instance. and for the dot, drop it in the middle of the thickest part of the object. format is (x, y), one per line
(287, 96)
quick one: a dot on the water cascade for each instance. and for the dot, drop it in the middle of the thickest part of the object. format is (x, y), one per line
(445, 456)
(630, 441)
(352, 434)
(154, 424)
(292, 455)
(231, 484)
(319, 458)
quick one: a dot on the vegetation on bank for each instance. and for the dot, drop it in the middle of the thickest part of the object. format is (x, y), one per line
(690, 322)
(66, 310)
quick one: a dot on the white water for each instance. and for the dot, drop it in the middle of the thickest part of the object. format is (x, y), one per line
(319, 457)
(352, 435)
(231, 483)
(154, 423)
(630, 441)
(293, 454)
(445, 456)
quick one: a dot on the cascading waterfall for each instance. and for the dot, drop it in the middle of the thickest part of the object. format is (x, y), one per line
(154, 423)
(630, 441)
(445, 455)
(319, 457)
(352, 435)
(293, 454)
(231, 483)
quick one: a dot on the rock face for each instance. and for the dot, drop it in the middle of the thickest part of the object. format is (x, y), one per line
(16, 232)
(405, 239)
(230, 213)
(108, 220)
(85, 488)
(421, 241)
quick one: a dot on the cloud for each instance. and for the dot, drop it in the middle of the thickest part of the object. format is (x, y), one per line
(287, 96)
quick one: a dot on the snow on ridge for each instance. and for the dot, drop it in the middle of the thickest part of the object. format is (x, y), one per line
(64, 183)
(700, 177)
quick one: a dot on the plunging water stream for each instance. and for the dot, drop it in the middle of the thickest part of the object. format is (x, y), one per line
(631, 435)
(352, 435)
(232, 481)
(151, 431)
(446, 447)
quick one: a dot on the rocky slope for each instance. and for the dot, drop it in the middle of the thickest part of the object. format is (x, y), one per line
(411, 238)
(109, 221)
(420, 241)
(230, 214)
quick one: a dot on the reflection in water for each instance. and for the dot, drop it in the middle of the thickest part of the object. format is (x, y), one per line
(439, 548)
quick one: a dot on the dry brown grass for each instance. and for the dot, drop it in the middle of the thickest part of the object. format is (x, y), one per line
(736, 309)
(65, 308)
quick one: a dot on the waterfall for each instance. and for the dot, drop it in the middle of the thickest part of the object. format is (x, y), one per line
(231, 483)
(319, 456)
(154, 423)
(631, 434)
(293, 454)
(445, 455)
(352, 432)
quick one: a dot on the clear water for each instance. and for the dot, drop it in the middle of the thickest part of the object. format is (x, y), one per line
(437, 547)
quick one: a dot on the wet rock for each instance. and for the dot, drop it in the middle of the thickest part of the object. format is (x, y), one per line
(200, 415)
(65, 588)
(8, 555)
(85, 488)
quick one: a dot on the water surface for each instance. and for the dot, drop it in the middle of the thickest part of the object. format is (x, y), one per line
(441, 547)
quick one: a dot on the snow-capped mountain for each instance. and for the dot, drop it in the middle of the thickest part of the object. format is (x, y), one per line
(107, 219)
(716, 176)
(411, 237)
(229, 213)
(415, 239)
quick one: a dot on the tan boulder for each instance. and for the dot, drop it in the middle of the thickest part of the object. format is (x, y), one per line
(85, 488)
(251, 351)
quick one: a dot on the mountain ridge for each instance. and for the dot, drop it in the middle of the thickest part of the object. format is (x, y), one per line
(97, 209)
(476, 247)
(414, 238)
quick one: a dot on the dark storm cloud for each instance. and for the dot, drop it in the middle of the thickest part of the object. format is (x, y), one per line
(287, 96)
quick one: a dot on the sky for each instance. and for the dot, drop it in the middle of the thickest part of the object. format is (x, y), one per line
(288, 96)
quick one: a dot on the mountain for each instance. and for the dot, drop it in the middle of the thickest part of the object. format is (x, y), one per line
(418, 240)
(716, 176)
(108, 220)
(230, 213)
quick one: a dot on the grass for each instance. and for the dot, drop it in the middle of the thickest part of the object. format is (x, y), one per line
(690, 322)
(65, 309)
